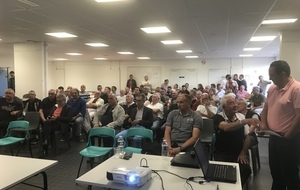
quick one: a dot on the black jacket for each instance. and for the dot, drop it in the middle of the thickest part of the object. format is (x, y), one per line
(147, 118)
(65, 115)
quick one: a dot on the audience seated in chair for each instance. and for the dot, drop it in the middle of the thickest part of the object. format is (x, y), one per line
(47, 105)
(130, 104)
(158, 115)
(58, 120)
(182, 127)
(205, 109)
(232, 139)
(94, 104)
(110, 115)
(139, 116)
(10, 109)
(79, 111)
(32, 104)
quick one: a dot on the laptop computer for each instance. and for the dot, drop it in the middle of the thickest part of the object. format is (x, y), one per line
(213, 172)
(185, 159)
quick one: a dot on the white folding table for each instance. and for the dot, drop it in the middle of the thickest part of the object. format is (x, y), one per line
(15, 170)
(97, 176)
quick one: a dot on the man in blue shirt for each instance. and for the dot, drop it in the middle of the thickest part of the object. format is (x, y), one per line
(79, 109)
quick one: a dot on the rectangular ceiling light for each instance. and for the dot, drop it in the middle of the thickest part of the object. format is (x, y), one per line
(60, 59)
(29, 3)
(280, 21)
(191, 57)
(155, 30)
(246, 55)
(61, 35)
(73, 53)
(100, 58)
(125, 52)
(251, 49)
(106, 1)
(170, 42)
(262, 38)
(143, 57)
(184, 51)
(96, 44)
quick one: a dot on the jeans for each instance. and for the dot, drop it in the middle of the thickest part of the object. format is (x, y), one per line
(137, 139)
(78, 125)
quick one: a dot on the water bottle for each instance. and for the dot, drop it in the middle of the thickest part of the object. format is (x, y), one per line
(121, 146)
(164, 148)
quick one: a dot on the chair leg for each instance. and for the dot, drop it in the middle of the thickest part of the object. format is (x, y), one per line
(20, 147)
(29, 146)
(254, 158)
(11, 150)
(79, 167)
(258, 158)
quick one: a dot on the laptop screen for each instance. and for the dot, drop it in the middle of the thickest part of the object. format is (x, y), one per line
(201, 156)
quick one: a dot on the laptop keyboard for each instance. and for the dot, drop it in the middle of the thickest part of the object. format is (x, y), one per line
(219, 171)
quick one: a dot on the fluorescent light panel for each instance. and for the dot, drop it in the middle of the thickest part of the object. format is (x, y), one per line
(184, 51)
(280, 21)
(100, 58)
(73, 53)
(61, 35)
(60, 59)
(155, 30)
(191, 57)
(251, 49)
(171, 42)
(106, 1)
(143, 57)
(262, 38)
(246, 55)
(125, 52)
(96, 44)
(29, 3)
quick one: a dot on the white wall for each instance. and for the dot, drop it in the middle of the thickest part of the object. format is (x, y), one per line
(108, 73)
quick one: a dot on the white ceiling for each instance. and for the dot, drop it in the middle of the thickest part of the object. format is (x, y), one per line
(210, 28)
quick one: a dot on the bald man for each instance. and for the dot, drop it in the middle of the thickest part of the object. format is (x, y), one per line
(47, 105)
(110, 115)
(9, 110)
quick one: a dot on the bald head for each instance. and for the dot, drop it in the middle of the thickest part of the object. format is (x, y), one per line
(9, 94)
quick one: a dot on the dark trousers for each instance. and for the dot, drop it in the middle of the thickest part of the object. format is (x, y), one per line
(284, 160)
(245, 170)
(51, 126)
(3, 128)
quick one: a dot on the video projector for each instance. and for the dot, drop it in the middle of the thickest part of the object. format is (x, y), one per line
(136, 176)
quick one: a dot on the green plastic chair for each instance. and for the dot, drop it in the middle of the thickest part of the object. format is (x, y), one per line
(10, 139)
(92, 151)
(142, 132)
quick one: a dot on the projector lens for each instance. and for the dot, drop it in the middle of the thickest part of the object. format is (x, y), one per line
(132, 178)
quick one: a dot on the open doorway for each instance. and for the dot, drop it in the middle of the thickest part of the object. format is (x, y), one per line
(3, 80)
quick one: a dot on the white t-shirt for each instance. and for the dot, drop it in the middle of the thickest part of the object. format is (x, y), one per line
(158, 106)
(202, 109)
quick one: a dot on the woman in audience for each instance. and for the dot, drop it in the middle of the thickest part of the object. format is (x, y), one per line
(242, 93)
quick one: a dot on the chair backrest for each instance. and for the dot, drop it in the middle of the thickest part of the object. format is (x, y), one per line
(101, 132)
(207, 131)
(140, 132)
(33, 118)
(20, 124)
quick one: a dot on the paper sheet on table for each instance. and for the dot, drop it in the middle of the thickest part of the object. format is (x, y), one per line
(268, 132)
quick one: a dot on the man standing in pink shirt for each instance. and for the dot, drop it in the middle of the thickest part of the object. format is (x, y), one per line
(281, 114)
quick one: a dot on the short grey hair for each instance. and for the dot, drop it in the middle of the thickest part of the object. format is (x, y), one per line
(223, 101)
(61, 96)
